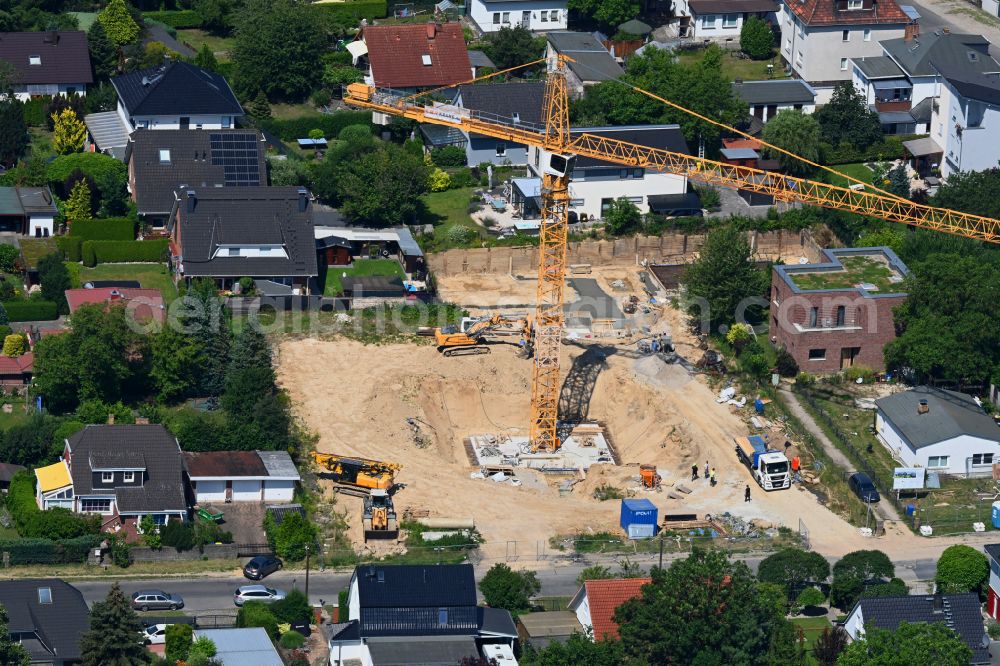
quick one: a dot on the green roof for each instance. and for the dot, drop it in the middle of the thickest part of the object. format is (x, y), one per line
(10, 204)
(33, 249)
(857, 270)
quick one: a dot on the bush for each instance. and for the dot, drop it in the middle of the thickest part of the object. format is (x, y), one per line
(101, 168)
(178, 644)
(810, 597)
(343, 610)
(177, 534)
(256, 614)
(290, 538)
(805, 379)
(962, 569)
(710, 199)
(35, 111)
(112, 229)
(350, 13)
(49, 551)
(862, 372)
(293, 608)
(993, 629)
(890, 148)
(292, 640)
(448, 156)
(113, 252)
(756, 39)
(439, 181)
(31, 310)
(786, 364)
(15, 344)
(331, 123)
(70, 246)
(178, 19)
(8, 258)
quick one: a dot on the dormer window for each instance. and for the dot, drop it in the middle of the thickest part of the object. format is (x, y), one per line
(129, 477)
(233, 252)
(107, 477)
(164, 157)
(35, 60)
(426, 59)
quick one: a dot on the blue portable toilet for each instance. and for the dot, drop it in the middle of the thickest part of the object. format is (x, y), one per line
(639, 518)
(996, 515)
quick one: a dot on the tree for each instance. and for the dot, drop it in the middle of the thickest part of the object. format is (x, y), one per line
(793, 568)
(899, 181)
(69, 133)
(961, 569)
(176, 367)
(847, 118)
(382, 187)
(12, 653)
(205, 58)
(894, 588)
(594, 572)
(502, 587)
(114, 638)
(726, 619)
(577, 650)
(738, 336)
(150, 532)
(910, 644)
(439, 180)
(853, 571)
(216, 15)
(202, 649)
(178, 642)
(155, 54)
(14, 345)
(4, 319)
(975, 192)
(119, 26)
(13, 130)
(510, 47)
(54, 277)
(723, 277)
(622, 217)
(798, 133)
(291, 537)
(264, 57)
(260, 108)
(829, 645)
(295, 607)
(257, 614)
(78, 206)
(810, 596)
(103, 55)
(609, 13)
(757, 39)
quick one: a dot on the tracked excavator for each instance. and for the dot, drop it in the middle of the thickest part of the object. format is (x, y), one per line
(358, 476)
(474, 339)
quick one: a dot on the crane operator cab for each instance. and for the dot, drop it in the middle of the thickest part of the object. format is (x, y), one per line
(560, 165)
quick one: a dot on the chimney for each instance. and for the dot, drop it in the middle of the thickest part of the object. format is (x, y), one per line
(431, 30)
(946, 31)
(910, 31)
(192, 201)
(923, 407)
(115, 295)
(111, 419)
(303, 199)
(142, 420)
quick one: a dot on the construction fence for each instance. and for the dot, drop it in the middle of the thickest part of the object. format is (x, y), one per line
(664, 249)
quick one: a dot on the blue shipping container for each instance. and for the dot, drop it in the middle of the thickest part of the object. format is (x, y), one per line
(639, 518)
(996, 515)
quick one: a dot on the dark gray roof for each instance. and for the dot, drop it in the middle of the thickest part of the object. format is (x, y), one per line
(108, 131)
(731, 6)
(57, 625)
(414, 586)
(8, 470)
(36, 200)
(117, 459)
(960, 52)
(993, 550)
(64, 56)
(163, 489)
(480, 59)
(981, 87)
(425, 651)
(921, 112)
(791, 91)
(890, 117)
(960, 612)
(879, 67)
(252, 215)
(279, 511)
(176, 88)
(667, 137)
(496, 621)
(345, 631)
(591, 61)
(950, 414)
(192, 162)
(503, 100)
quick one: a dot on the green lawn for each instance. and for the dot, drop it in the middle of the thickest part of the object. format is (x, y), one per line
(150, 276)
(856, 270)
(360, 268)
(811, 628)
(446, 210)
(289, 111)
(738, 68)
(15, 417)
(84, 19)
(857, 170)
(196, 38)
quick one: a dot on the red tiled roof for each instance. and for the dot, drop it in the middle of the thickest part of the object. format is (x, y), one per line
(145, 304)
(752, 144)
(396, 54)
(16, 365)
(604, 596)
(829, 12)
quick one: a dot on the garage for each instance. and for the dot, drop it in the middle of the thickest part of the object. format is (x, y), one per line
(241, 476)
(209, 491)
(246, 490)
(279, 490)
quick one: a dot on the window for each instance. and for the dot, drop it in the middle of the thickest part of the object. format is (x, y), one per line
(129, 477)
(937, 461)
(982, 459)
(730, 20)
(45, 595)
(624, 173)
(545, 17)
(708, 21)
(501, 149)
(227, 122)
(442, 617)
(788, 45)
(798, 58)
(95, 505)
(868, 34)
(813, 317)
(496, 18)
(817, 354)
(606, 206)
(845, 36)
(107, 477)
(635, 200)
(554, 15)
(34, 60)
(233, 252)
(843, 64)
(841, 314)
(426, 59)
(160, 518)
(638, 173)
(506, 17)
(164, 157)
(854, 4)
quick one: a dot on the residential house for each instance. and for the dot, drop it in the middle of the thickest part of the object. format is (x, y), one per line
(589, 62)
(248, 646)
(965, 123)
(722, 20)
(508, 103)
(414, 56)
(241, 476)
(338, 245)
(596, 601)
(903, 82)
(28, 210)
(16, 370)
(122, 472)
(479, 61)
(959, 612)
(175, 95)
(143, 305)
(837, 314)
(991, 7)
(416, 614)
(46, 616)
(595, 184)
(225, 233)
(542, 629)
(945, 431)
(535, 15)
(767, 98)
(819, 38)
(47, 63)
(993, 590)
(162, 164)
(7, 472)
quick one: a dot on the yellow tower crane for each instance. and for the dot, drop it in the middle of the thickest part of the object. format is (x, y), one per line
(555, 138)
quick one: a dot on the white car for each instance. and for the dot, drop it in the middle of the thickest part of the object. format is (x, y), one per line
(155, 634)
(263, 593)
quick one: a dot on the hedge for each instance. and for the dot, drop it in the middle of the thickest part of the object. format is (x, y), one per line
(330, 123)
(115, 252)
(178, 19)
(31, 310)
(48, 551)
(34, 111)
(95, 165)
(70, 246)
(114, 229)
(352, 12)
(890, 148)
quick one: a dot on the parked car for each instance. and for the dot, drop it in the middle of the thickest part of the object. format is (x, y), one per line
(864, 487)
(261, 566)
(263, 593)
(155, 634)
(145, 600)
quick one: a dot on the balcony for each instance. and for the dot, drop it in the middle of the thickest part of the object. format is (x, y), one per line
(893, 105)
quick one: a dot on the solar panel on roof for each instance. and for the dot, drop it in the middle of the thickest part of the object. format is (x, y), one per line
(237, 153)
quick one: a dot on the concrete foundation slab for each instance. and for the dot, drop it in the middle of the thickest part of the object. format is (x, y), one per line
(585, 446)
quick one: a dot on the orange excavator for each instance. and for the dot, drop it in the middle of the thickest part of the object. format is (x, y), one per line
(454, 341)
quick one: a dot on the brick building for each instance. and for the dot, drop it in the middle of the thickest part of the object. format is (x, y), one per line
(836, 314)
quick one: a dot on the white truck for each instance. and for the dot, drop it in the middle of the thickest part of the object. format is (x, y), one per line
(770, 469)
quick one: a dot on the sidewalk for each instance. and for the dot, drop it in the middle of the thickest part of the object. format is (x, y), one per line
(885, 510)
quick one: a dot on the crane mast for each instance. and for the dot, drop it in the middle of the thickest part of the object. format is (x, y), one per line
(555, 137)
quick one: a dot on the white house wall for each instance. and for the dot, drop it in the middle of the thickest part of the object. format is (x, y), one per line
(958, 449)
(276, 490)
(764, 117)
(41, 225)
(583, 614)
(342, 654)
(855, 624)
(482, 13)
(353, 601)
(972, 149)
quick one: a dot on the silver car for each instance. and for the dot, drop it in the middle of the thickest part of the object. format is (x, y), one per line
(145, 600)
(263, 593)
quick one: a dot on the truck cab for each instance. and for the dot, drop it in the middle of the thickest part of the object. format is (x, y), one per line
(772, 471)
